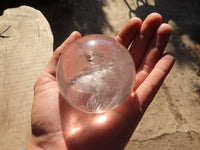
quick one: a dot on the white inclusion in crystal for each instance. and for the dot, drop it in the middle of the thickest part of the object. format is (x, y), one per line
(92, 82)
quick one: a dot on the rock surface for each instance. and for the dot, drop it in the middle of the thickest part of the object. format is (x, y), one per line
(26, 44)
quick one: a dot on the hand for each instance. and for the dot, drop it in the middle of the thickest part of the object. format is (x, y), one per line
(56, 125)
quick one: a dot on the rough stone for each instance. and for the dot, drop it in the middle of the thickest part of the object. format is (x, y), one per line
(26, 44)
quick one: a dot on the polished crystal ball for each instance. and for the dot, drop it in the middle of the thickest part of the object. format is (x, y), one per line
(95, 74)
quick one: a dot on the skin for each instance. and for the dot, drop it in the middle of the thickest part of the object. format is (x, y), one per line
(56, 125)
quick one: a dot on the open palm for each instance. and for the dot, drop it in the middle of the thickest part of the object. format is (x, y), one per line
(56, 125)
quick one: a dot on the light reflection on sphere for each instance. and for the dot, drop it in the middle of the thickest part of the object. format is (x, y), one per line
(95, 74)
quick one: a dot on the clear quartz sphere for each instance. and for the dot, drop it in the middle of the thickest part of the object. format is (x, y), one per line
(95, 74)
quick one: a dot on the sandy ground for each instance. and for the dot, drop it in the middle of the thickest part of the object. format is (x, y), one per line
(172, 120)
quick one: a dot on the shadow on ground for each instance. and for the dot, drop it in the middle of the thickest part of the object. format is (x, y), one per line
(185, 14)
(65, 16)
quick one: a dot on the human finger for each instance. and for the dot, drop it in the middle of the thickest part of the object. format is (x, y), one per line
(149, 87)
(144, 38)
(128, 32)
(153, 53)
